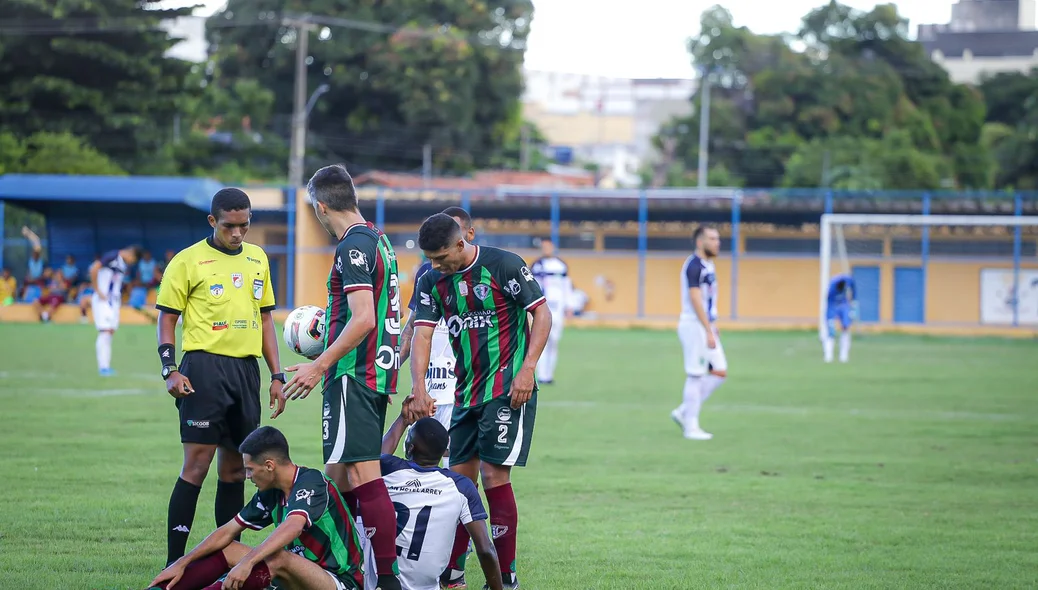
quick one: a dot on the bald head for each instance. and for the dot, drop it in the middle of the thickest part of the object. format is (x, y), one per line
(426, 442)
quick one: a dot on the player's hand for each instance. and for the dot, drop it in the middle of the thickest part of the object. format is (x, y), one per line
(307, 376)
(711, 340)
(236, 577)
(171, 574)
(178, 385)
(406, 412)
(522, 387)
(277, 398)
(419, 405)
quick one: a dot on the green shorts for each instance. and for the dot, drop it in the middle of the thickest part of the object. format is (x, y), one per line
(500, 435)
(353, 420)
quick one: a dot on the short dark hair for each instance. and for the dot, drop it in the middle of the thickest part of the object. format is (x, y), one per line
(430, 441)
(333, 186)
(266, 442)
(438, 232)
(137, 249)
(463, 215)
(229, 199)
(700, 230)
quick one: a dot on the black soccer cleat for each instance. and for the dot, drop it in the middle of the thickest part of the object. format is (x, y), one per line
(449, 581)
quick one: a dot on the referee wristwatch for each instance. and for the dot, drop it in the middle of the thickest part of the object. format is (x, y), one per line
(168, 370)
(278, 377)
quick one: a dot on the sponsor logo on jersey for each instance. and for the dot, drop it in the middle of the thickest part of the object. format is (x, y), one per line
(471, 320)
(358, 258)
(240, 324)
(513, 287)
(526, 274)
(254, 260)
(504, 414)
(498, 530)
(304, 496)
(237, 280)
(219, 326)
(338, 264)
(198, 423)
(201, 262)
(216, 290)
(463, 288)
(424, 299)
(414, 486)
(481, 291)
(257, 288)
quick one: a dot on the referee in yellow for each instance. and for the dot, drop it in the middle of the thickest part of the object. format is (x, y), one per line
(221, 288)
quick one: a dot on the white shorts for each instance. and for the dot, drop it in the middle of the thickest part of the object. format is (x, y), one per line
(106, 315)
(443, 415)
(558, 322)
(338, 583)
(698, 358)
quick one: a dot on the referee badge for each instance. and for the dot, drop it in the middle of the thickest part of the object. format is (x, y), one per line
(216, 290)
(237, 279)
(257, 288)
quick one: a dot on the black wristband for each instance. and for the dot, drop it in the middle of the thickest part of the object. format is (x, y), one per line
(168, 355)
(278, 377)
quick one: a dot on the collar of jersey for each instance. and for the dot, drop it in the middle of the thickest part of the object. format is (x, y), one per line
(418, 467)
(343, 237)
(212, 244)
(474, 260)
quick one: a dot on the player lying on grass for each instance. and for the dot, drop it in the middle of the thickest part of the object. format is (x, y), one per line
(314, 547)
(431, 503)
(841, 306)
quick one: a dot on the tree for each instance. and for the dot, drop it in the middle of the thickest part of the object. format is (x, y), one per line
(53, 153)
(445, 73)
(78, 67)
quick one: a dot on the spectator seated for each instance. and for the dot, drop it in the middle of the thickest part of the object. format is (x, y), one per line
(32, 293)
(138, 297)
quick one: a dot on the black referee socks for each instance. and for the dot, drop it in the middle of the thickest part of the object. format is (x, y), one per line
(230, 499)
(179, 519)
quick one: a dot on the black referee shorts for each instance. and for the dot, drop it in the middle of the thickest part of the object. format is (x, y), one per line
(225, 406)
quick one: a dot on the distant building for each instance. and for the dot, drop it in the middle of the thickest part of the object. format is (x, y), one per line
(191, 32)
(984, 37)
(606, 121)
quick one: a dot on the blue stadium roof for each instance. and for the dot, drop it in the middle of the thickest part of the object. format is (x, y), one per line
(193, 192)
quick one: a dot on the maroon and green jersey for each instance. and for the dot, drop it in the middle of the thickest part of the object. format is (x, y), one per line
(484, 307)
(329, 537)
(364, 259)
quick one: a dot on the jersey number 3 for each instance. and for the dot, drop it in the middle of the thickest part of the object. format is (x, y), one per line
(421, 524)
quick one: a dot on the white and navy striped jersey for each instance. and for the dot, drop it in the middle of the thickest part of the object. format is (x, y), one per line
(698, 273)
(429, 503)
(553, 276)
(110, 277)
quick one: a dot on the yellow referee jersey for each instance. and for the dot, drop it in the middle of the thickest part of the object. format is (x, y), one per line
(220, 296)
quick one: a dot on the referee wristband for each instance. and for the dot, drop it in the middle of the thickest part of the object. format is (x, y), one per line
(168, 354)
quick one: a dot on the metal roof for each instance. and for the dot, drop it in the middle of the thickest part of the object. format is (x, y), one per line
(193, 192)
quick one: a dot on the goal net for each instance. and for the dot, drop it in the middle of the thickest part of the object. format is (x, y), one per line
(933, 270)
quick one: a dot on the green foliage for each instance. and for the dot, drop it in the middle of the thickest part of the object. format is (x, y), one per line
(1011, 133)
(443, 77)
(856, 85)
(115, 89)
(53, 153)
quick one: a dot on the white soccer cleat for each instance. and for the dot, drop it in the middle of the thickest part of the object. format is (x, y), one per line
(698, 434)
(676, 416)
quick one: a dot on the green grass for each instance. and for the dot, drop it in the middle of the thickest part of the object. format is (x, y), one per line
(914, 466)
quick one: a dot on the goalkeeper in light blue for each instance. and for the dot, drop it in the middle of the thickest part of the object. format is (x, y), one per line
(841, 309)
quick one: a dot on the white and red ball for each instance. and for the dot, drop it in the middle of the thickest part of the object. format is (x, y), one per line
(304, 331)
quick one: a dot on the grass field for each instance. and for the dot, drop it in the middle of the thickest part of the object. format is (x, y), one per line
(914, 466)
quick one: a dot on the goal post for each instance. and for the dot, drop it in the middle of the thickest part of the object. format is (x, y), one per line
(995, 257)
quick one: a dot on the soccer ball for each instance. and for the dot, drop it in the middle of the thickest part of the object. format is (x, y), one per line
(304, 331)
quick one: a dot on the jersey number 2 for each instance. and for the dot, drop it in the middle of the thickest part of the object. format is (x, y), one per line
(421, 524)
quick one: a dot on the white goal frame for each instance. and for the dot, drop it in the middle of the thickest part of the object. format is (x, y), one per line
(832, 223)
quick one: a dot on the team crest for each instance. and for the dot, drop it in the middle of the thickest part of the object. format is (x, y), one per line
(216, 290)
(257, 288)
(463, 288)
(481, 291)
(237, 280)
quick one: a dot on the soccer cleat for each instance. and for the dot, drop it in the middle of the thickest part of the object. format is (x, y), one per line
(675, 415)
(106, 373)
(449, 580)
(510, 582)
(698, 434)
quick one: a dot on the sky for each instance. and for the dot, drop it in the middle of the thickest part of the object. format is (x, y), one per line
(589, 37)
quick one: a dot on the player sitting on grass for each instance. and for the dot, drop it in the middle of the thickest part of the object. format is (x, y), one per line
(314, 547)
(842, 306)
(435, 501)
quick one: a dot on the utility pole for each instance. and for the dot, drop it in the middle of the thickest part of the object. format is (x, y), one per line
(704, 127)
(299, 115)
(426, 164)
(524, 147)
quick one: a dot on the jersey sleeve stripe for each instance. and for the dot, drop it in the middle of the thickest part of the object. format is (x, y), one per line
(536, 303)
(246, 524)
(427, 323)
(305, 515)
(169, 309)
(357, 287)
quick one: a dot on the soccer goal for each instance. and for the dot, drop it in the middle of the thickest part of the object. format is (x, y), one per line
(934, 270)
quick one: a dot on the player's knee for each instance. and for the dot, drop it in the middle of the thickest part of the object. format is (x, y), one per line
(494, 475)
(196, 464)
